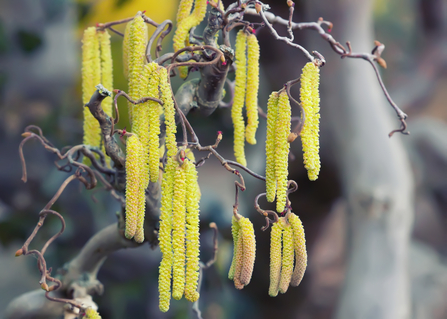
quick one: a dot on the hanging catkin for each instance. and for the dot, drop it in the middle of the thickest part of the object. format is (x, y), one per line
(244, 253)
(178, 233)
(270, 146)
(275, 258)
(192, 232)
(91, 313)
(239, 97)
(91, 76)
(184, 25)
(252, 88)
(287, 257)
(282, 149)
(299, 243)
(134, 163)
(165, 235)
(134, 48)
(310, 101)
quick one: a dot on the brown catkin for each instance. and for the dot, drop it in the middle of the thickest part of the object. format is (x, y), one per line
(249, 250)
(275, 258)
(299, 243)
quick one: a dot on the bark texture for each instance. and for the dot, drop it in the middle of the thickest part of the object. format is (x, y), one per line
(374, 170)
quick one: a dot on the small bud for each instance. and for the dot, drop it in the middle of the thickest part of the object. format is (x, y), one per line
(182, 155)
(292, 136)
(290, 3)
(26, 134)
(124, 132)
(44, 286)
(381, 62)
(214, 5)
(19, 252)
(243, 6)
(222, 58)
(213, 225)
(258, 7)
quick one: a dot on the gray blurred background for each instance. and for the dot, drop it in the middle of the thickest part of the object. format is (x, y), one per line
(375, 220)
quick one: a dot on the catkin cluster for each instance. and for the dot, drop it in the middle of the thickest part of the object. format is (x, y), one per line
(91, 313)
(179, 233)
(244, 253)
(310, 101)
(246, 90)
(277, 148)
(134, 53)
(287, 243)
(145, 80)
(96, 69)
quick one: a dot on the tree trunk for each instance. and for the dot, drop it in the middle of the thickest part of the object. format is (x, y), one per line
(374, 169)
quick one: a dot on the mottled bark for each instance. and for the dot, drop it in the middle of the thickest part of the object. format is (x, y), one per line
(376, 177)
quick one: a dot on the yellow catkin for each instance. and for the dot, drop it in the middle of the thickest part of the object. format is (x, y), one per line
(91, 313)
(239, 262)
(182, 33)
(169, 113)
(249, 247)
(178, 233)
(252, 88)
(270, 146)
(136, 58)
(164, 235)
(106, 69)
(192, 233)
(310, 101)
(106, 75)
(282, 149)
(275, 258)
(184, 9)
(133, 180)
(299, 243)
(287, 258)
(235, 228)
(239, 95)
(141, 119)
(91, 76)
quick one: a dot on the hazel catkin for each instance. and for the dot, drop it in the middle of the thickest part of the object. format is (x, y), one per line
(299, 243)
(275, 258)
(282, 149)
(91, 76)
(178, 233)
(252, 88)
(91, 313)
(310, 101)
(133, 181)
(287, 258)
(239, 97)
(270, 147)
(192, 232)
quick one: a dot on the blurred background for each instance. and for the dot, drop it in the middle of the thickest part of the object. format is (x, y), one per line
(375, 220)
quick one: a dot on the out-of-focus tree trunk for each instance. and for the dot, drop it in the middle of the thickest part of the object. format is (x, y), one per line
(374, 169)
